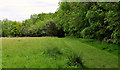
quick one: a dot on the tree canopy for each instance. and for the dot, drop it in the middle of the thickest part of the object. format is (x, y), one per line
(92, 20)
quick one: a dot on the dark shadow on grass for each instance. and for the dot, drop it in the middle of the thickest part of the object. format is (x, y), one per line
(53, 52)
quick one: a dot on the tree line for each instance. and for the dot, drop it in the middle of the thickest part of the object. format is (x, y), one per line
(91, 20)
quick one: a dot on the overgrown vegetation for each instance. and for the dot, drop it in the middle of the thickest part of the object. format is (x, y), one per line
(75, 61)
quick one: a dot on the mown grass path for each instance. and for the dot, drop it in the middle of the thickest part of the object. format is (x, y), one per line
(27, 53)
(93, 57)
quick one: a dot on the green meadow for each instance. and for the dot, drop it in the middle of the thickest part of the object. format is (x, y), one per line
(38, 34)
(54, 52)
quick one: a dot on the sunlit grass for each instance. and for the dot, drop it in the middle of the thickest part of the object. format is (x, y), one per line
(53, 52)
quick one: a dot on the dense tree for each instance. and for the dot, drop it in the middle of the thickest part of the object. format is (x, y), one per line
(93, 20)
(15, 28)
(90, 20)
(6, 25)
(50, 28)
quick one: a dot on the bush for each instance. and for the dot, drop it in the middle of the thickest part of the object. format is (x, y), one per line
(116, 36)
(87, 33)
(75, 61)
(50, 28)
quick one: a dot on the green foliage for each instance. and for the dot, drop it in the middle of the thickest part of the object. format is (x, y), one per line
(30, 27)
(15, 28)
(50, 28)
(87, 33)
(116, 36)
(71, 18)
(94, 20)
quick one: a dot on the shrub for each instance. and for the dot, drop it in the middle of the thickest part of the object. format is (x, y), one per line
(75, 61)
(50, 28)
(87, 33)
(116, 36)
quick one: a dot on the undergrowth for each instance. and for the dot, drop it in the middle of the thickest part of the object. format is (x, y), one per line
(72, 60)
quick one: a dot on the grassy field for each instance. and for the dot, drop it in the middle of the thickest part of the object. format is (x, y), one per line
(53, 52)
